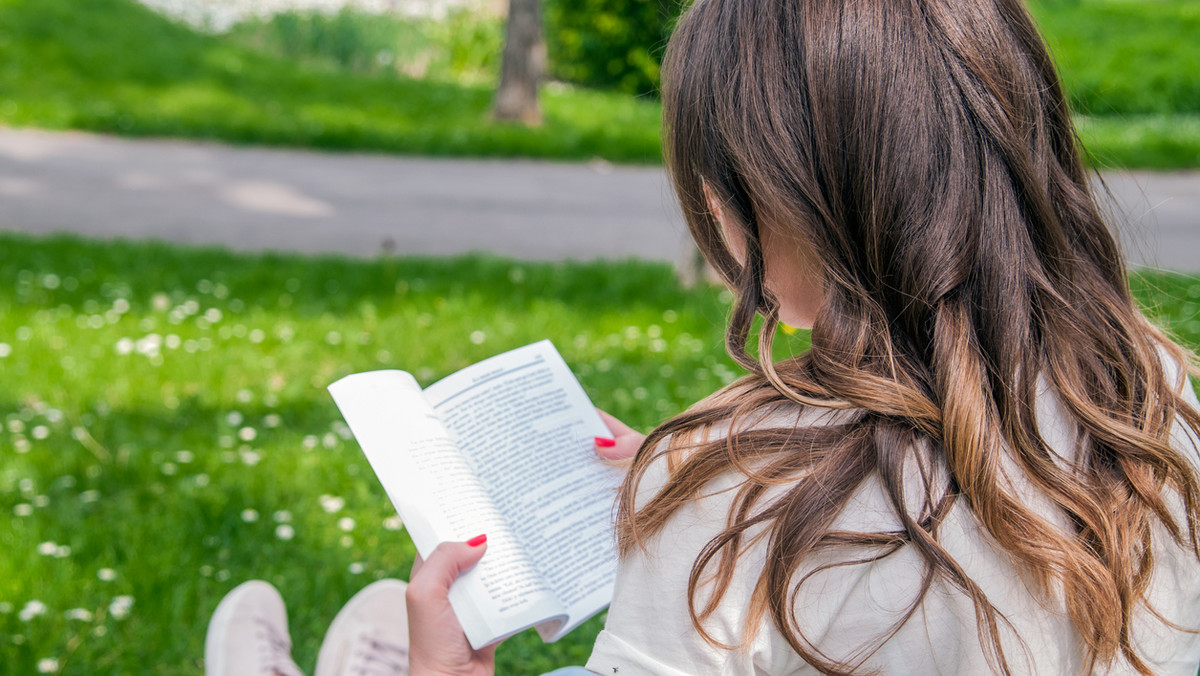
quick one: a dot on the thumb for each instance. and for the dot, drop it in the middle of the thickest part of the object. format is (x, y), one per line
(433, 579)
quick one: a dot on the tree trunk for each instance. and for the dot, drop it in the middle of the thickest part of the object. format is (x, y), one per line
(523, 64)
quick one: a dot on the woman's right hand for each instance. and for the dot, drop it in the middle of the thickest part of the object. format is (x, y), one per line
(437, 646)
(624, 442)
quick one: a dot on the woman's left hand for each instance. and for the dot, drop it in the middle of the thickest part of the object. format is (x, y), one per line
(437, 645)
(623, 444)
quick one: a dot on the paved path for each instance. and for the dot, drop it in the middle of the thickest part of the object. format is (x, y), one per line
(254, 199)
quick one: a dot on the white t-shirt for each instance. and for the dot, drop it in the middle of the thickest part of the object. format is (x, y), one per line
(845, 609)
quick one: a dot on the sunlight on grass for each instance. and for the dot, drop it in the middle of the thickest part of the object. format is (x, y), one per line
(1149, 141)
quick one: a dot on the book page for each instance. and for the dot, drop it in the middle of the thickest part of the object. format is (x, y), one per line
(440, 499)
(528, 429)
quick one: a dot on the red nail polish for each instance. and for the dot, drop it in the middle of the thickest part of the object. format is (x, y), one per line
(605, 443)
(477, 540)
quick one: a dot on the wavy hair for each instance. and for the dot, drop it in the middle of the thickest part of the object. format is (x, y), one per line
(924, 151)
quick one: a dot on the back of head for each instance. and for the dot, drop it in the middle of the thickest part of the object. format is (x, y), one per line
(921, 147)
(924, 152)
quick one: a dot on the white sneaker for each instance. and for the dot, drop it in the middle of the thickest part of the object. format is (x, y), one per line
(248, 634)
(369, 636)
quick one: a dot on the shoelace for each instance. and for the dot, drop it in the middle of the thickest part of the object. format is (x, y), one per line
(377, 657)
(275, 651)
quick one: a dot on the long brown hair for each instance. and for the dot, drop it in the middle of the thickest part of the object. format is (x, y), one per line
(923, 149)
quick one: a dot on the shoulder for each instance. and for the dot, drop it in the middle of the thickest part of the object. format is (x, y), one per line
(649, 628)
(650, 625)
(728, 436)
(853, 603)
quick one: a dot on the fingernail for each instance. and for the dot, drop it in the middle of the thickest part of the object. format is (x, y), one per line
(477, 540)
(605, 443)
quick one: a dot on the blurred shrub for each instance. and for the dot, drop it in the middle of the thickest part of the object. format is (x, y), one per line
(1117, 56)
(609, 43)
(459, 47)
(465, 46)
(347, 39)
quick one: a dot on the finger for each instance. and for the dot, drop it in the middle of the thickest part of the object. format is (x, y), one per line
(615, 426)
(417, 563)
(432, 582)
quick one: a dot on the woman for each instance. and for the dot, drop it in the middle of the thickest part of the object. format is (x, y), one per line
(987, 460)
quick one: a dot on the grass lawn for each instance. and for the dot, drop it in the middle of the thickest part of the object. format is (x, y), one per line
(165, 432)
(1133, 69)
(1126, 57)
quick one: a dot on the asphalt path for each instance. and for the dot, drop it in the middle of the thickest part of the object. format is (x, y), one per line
(257, 199)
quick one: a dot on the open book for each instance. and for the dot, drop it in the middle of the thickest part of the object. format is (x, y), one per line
(503, 447)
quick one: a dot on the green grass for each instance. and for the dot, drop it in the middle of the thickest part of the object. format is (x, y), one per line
(139, 458)
(152, 395)
(114, 66)
(1126, 57)
(1133, 69)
